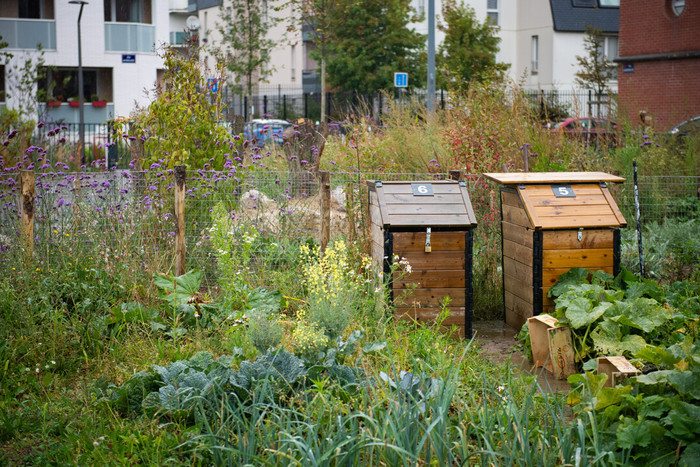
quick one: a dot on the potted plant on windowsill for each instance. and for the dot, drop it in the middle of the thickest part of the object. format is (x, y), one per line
(74, 102)
(97, 102)
(54, 102)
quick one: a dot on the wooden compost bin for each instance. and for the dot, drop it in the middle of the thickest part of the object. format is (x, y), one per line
(430, 224)
(552, 222)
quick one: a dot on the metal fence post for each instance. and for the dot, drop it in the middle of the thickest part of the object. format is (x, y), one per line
(180, 245)
(28, 185)
(325, 181)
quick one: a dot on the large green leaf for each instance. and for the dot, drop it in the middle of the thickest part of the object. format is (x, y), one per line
(581, 312)
(261, 299)
(633, 434)
(574, 276)
(178, 290)
(644, 314)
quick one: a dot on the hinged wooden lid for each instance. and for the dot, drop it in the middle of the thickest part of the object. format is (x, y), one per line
(517, 178)
(560, 200)
(424, 203)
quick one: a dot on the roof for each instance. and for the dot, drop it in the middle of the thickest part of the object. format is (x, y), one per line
(575, 15)
(559, 200)
(517, 178)
(442, 203)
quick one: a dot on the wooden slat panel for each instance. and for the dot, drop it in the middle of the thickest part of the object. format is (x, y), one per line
(517, 310)
(514, 215)
(613, 205)
(561, 211)
(467, 203)
(519, 270)
(568, 239)
(546, 191)
(433, 278)
(551, 275)
(553, 177)
(518, 252)
(518, 287)
(396, 198)
(578, 221)
(426, 209)
(433, 297)
(435, 260)
(404, 188)
(375, 215)
(510, 199)
(429, 220)
(538, 201)
(455, 317)
(440, 241)
(517, 233)
(593, 258)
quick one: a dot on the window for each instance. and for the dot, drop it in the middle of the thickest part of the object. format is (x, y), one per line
(27, 9)
(611, 47)
(128, 11)
(492, 11)
(677, 6)
(294, 62)
(609, 3)
(62, 83)
(2, 83)
(535, 54)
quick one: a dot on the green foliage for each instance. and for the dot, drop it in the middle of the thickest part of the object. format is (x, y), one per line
(245, 43)
(595, 68)
(370, 41)
(181, 125)
(185, 304)
(468, 52)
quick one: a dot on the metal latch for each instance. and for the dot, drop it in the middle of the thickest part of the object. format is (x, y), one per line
(428, 248)
(580, 234)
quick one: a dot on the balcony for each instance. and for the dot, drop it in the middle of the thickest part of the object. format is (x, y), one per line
(129, 37)
(27, 33)
(67, 114)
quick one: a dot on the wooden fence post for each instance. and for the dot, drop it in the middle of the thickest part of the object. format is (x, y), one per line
(27, 184)
(455, 175)
(180, 248)
(325, 181)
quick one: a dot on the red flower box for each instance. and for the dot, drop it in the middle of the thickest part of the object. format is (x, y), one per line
(74, 103)
(54, 103)
(99, 103)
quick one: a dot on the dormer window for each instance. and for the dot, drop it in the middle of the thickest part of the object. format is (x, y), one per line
(677, 6)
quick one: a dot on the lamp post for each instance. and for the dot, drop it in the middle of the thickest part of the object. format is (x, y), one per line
(81, 97)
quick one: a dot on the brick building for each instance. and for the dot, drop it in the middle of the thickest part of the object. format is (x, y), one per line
(659, 57)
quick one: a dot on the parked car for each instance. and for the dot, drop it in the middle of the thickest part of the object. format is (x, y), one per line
(261, 131)
(591, 130)
(686, 128)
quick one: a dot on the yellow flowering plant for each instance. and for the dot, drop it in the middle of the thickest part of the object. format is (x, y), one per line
(333, 287)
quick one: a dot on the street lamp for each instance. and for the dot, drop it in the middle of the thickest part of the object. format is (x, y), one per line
(81, 97)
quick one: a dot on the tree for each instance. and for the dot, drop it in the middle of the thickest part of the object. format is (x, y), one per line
(369, 41)
(468, 52)
(181, 124)
(595, 69)
(244, 28)
(315, 21)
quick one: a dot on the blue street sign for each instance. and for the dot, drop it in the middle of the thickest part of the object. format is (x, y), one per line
(213, 84)
(401, 80)
(128, 58)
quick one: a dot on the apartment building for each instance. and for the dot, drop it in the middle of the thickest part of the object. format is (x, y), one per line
(118, 42)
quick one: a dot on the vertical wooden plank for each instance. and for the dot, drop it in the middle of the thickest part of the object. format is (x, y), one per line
(28, 185)
(561, 352)
(325, 180)
(180, 247)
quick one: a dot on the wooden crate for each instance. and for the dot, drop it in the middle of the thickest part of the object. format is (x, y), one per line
(552, 222)
(617, 369)
(403, 215)
(552, 346)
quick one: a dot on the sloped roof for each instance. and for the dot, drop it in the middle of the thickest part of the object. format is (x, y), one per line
(575, 15)
(446, 205)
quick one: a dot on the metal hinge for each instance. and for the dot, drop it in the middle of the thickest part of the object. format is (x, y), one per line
(428, 247)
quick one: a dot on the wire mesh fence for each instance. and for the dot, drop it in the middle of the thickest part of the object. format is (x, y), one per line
(126, 218)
